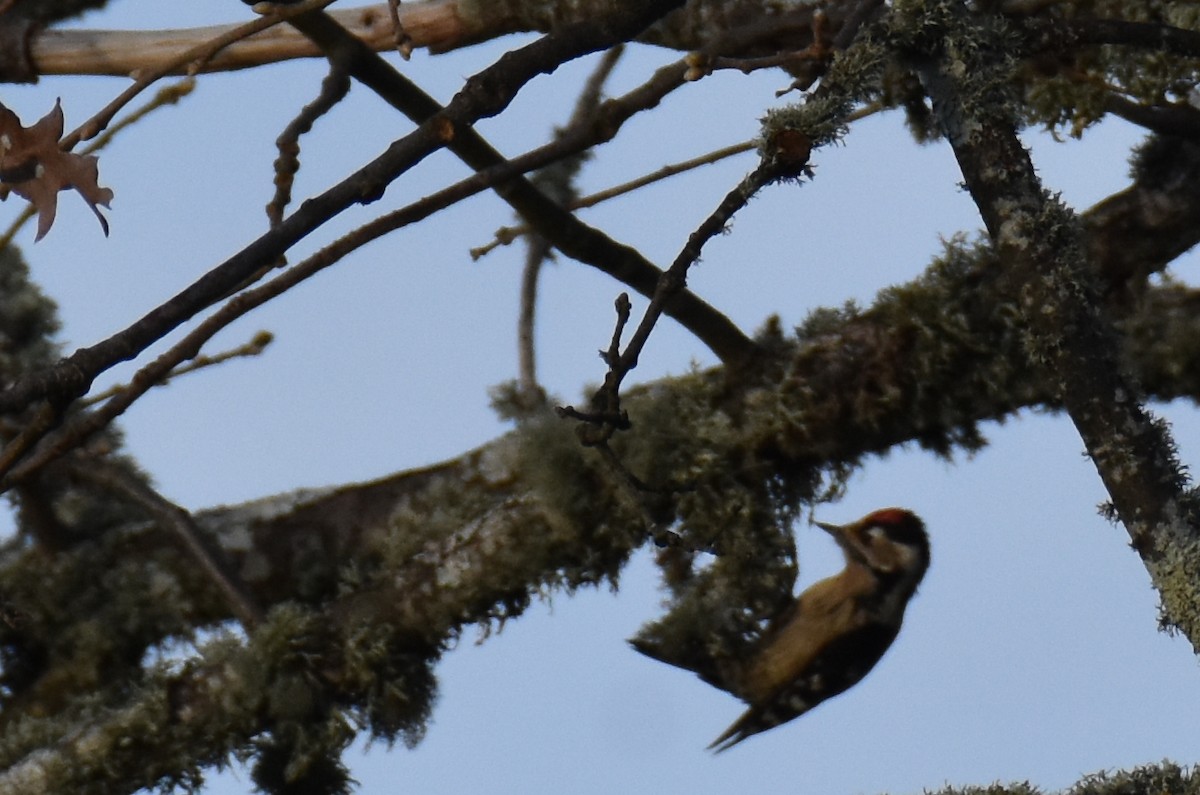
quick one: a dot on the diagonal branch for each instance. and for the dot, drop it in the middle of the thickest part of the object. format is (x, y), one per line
(549, 219)
(1038, 240)
(597, 128)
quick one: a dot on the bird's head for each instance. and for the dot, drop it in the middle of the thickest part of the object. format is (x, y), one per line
(891, 542)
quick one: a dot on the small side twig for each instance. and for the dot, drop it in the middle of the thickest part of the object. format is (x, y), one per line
(608, 415)
(403, 42)
(253, 347)
(624, 308)
(43, 421)
(334, 89)
(506, 235)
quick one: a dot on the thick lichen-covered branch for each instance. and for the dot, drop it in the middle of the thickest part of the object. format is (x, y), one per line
(403, 565)
(497, 527)
(361, 611)
(363, 587)
(965, 65)
(732, 461)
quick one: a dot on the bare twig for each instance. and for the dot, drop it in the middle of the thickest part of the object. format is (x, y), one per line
(334, 89)
(623, 307)
(606, 401)
(506, 235)
(527, 380)
(253, 347)
(75, 373)
(606, 415)
(46, 418)
(674, 278)
(558, 181)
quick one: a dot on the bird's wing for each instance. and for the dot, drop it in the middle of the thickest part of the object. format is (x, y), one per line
(802, 634)
(829, 671)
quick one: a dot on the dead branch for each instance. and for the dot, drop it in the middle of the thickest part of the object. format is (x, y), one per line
(431, 24)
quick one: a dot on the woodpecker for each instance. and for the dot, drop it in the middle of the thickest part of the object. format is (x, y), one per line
(835, 632)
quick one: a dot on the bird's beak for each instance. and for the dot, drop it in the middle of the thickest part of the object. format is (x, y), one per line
(846, 537)
(833, 529)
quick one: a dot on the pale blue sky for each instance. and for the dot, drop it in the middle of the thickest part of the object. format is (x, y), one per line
(1030, 652)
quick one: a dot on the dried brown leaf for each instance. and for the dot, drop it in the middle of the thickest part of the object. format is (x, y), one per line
(34, 166)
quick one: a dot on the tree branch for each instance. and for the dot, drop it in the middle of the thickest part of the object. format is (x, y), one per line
(434, 24)
(484, 95)
(439, 25)
(1038, 240)
(531, 511)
